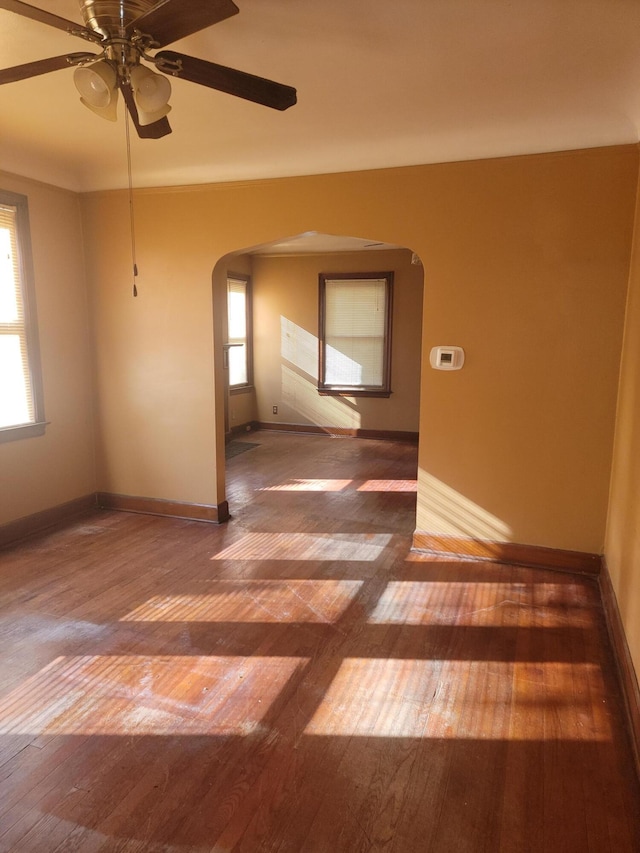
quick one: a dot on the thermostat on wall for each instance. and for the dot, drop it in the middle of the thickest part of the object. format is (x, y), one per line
(447, 358)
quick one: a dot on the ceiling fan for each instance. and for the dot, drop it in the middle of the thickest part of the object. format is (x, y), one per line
(125, 31)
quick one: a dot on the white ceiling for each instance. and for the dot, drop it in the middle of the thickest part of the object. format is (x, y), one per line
(312, 242)
(380, 83)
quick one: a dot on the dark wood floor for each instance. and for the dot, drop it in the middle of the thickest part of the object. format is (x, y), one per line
(297, 680)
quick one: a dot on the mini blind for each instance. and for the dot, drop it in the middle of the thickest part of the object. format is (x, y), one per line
(16, 393)
(355, 324)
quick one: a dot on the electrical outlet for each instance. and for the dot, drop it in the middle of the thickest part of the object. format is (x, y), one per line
(275, 410)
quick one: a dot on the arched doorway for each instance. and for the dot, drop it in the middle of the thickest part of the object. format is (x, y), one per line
(283, 304)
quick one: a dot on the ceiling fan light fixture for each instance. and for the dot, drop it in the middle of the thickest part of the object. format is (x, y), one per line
(151, 118)
(110, 112)
(96, 84)
(152, 90)
(124, 31)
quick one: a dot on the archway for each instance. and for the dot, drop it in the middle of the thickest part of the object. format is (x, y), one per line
(283, 393)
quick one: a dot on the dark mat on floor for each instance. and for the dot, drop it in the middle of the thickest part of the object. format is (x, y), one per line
(235, 448)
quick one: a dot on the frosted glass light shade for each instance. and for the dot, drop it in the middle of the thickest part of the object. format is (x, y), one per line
(149, 118)
(152, 92)
(96, 83)
(110, 112)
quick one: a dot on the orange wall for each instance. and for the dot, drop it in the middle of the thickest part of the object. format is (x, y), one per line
(622, 547)
(528, 270)
(286, 342)
(526, 266)
(38, 473)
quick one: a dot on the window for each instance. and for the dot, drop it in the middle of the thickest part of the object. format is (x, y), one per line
(21, 409)
(239, 332)
(355, 334)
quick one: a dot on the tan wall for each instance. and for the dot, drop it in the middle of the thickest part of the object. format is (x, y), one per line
(286, 342)
(622, 547)
(527, 271)
(242, 408)
(526, 266)
(155, 424)
(39, 473)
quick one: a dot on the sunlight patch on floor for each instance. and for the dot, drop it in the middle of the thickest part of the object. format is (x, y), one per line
(491, 700)
(138, 695)
(276, 601)
(364, 547)
(308, 486)
(389, 486)
(501, 605)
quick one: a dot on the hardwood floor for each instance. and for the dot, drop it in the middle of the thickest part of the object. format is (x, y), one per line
(298, 680)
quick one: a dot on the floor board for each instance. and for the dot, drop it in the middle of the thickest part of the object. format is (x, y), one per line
(298, 680)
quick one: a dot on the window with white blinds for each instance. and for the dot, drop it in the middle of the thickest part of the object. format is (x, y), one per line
(20, 392)
(239, 331)
(355, 334)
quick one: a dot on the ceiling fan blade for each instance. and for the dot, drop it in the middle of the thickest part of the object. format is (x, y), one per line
(45, 18)
(156, 130)
(42, 66)
(170, 20)
(238, 83)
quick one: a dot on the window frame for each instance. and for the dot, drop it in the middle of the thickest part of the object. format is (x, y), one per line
(27, 293)
(248, 385)
(326, 389)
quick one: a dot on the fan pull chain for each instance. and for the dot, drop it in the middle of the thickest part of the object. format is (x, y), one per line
(131, 219)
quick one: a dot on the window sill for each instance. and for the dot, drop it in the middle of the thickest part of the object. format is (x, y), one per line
(241, 389)
(353, 392)
(15, 433)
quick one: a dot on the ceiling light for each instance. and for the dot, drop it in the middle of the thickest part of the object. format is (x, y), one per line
(152, 92)
(97, 84)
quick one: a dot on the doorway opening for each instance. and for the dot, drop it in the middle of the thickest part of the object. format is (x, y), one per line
(275, 331)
